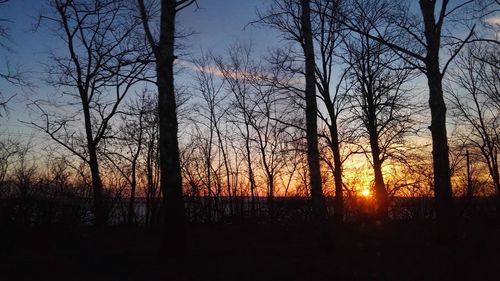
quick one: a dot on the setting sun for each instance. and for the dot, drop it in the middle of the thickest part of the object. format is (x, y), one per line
(365, 192)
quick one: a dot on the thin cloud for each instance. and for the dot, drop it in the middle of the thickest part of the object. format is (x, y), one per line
(494, 20)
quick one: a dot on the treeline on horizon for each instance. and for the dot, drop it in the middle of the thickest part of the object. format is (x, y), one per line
(350, 86)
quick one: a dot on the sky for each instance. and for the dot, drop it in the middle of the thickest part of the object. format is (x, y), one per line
(216, 25)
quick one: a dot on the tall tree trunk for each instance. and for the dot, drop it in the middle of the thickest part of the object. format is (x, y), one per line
(441, 165)
(170, 175)
(317, 199)
(445, 210)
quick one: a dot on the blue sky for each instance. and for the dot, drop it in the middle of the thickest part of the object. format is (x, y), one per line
(216, 23)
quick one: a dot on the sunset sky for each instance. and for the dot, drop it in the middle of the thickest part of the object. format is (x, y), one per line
(249, 140)
(216, 25)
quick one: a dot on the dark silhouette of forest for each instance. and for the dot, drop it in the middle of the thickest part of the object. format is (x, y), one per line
(364, 147)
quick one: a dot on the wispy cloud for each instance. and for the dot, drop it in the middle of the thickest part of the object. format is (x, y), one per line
(493, 20)
(225, 73)
(204, 69)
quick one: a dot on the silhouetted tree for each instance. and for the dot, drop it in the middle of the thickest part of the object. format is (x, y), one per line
(378, 97)
(126, 146)
(261, 111)
(102, 64)
(212, 111)
(170, 167)
(317, 199)
(327, 37)
(151, 159)
(475, 103)
(9, 75)
(430, 37)
(237, 75)
(293, 19)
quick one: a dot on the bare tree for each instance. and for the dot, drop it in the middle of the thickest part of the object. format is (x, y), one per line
(102, 64)
(378, 97)
(9, 147)
(327, 36)
(13, 76)
(293, 19)
(170, 167)
(25, 170)
(151, 160)
(430, 36)
(311, 112)
(260, 110)
(126, 146)
(475, 104)
(237, 75)
(213, 111)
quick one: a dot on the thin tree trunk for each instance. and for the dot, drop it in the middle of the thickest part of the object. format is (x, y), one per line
(209, 175)
(496, 180)
(227, 168)
(469, 177)
(250, 170)
(495, 175)
(338, 206)
(337, 173)
(270, 195)
(150, 206)
(131, 206)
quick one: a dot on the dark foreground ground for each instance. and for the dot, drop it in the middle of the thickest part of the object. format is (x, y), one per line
(397, 251)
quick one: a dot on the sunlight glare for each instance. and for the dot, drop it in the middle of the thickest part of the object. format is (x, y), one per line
(365, 193)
